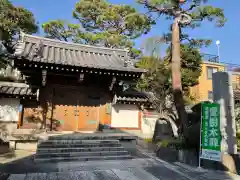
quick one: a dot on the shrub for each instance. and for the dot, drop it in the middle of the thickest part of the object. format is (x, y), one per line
(238, 141)
(171, 143)
(148, 140)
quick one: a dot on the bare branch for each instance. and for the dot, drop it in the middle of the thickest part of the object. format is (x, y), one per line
(191, 7)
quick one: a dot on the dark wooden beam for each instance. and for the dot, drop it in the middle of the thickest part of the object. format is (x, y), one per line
(44, 77)
(112, 83)
(25, 65)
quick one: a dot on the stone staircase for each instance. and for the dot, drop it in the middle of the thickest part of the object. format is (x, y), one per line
(80, 148)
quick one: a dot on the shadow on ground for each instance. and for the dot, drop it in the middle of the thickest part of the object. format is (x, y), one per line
(26, 164)
(158, 169)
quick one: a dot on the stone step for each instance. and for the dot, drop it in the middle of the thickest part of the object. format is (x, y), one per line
(82, 154)
(96, 136)
(86, 158)
(40, 146)
(82, 137)
(76, 141)
(74, 149)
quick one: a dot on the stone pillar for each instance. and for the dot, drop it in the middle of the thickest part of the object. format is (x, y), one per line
(223, 94)
(12, 145)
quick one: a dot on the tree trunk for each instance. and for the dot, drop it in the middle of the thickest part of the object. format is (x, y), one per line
(176, 77)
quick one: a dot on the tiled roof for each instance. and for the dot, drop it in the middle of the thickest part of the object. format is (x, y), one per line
(16, 89)
(132, 96)
(44, 50)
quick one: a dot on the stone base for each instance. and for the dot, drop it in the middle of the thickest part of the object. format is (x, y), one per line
(12, 145)
(4, 149)
(26, 146)
(230, 163)
(6, 129)
(23, 145)
(168, 154)
(145, 145)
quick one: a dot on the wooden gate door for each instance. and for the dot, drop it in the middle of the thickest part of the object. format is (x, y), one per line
(66, 108)
(89, 118)
(65, 114)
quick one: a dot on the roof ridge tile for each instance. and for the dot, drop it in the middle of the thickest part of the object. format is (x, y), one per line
(51, 51)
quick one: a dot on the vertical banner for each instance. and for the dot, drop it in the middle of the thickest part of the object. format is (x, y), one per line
(210, 132)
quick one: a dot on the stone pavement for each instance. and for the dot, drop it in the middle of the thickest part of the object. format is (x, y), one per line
(22, 167)
(135, 169)
(14, 156)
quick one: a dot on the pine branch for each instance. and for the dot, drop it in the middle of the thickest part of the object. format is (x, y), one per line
(158, 8)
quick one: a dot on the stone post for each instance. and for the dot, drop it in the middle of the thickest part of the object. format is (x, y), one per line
(223, 94)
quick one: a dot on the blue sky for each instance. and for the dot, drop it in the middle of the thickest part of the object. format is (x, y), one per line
(46, 10)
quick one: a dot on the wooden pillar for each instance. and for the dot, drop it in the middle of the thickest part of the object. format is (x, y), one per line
(52, 108)
(20, 115)
(108, 113)
(44, 115)
(44, 77)
(43, 102)
(43, 106)
(140, 119)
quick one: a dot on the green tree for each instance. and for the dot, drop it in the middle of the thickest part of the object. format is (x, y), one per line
(158, 77)
(189, 14)
(151, 61)
(12, 20)
(152, 46)
(102, 23)
(59, 29)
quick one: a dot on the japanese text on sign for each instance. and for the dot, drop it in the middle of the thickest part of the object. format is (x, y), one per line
(210, 132)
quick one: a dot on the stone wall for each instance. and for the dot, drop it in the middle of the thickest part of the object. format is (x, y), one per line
(125, 116)
(148, 123)
(8, 117)
(6, 129)
(9, 109)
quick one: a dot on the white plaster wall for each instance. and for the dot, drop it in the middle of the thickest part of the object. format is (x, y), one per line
(124, 115)
(9, 109)
(148, 124)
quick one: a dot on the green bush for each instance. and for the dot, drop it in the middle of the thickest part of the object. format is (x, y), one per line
(171, 143)
(148, 140)
(238, 141)
(177, 143)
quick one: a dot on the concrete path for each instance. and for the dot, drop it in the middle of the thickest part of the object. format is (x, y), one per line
(150, 168)
(136, 169)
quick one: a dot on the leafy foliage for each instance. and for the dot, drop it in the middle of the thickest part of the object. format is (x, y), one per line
(57, 29)
(171, 143)
(199, 11)
(237, 114)
(190, 55)
(185, 15)
(191, 61)
(158, 77)
(97, 15)
(238, 141)
(152, 46)
(102, 23)
(12, 20)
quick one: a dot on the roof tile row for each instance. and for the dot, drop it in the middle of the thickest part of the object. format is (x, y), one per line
(46, 50)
